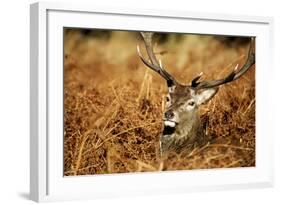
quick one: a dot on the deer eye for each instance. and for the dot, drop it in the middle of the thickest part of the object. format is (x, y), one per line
(191, 103)
(167, 99)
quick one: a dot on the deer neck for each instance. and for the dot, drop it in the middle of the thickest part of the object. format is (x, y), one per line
(188, 127)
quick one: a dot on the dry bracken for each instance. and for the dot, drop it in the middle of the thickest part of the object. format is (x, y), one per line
(113, 105)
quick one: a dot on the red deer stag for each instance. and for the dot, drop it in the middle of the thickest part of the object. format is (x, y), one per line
(182, 126)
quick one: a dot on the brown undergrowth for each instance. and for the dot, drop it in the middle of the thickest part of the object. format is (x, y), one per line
(113, 105)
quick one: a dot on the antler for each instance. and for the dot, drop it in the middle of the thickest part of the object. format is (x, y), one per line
(235, 74)
(153, 62)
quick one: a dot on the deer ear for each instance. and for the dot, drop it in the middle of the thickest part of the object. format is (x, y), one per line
(203, 96)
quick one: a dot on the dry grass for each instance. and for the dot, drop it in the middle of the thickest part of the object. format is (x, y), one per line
(113, 105)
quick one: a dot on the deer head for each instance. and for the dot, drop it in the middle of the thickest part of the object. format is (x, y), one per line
(182, 127)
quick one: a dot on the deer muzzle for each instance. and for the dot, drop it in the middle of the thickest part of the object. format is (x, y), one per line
(170, 118)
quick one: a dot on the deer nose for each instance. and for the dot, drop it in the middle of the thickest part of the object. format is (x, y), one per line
(169, 114)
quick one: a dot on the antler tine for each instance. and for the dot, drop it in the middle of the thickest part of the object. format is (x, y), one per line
(147, 37)
(235, 74)
(194, 82)
(154, 63)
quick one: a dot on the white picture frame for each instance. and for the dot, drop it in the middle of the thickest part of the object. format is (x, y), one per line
(47, 182)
